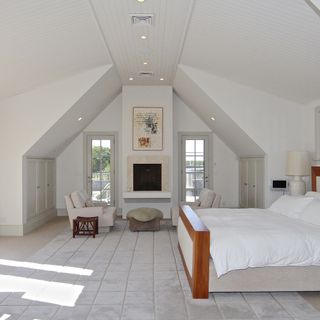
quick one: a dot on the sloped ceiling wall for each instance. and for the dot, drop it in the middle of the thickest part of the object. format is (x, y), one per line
(96, 99)
(224, 127)
(26, 118)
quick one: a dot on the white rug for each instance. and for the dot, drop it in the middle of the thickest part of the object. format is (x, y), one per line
(124, 275)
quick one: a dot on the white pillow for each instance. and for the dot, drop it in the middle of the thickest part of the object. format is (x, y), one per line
(311, 212)
(290, 206)
(77, 200)
(313, 194)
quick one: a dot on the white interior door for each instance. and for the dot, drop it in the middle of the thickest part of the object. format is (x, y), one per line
(251, 182)
(260, 183)
(31, 187)
(243, 183)
(100, 167)
(40, 192)
(194, 166)
(50, 184)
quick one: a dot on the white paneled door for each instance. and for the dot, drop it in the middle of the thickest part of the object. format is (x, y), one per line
(251, 182)
(194, 166)
(100, 167)
(40, 187)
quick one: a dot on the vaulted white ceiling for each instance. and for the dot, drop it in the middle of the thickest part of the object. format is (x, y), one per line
(45, 40)
(160, 50)
(270, 45)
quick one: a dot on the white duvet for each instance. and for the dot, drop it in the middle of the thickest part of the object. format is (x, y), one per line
(242, 238)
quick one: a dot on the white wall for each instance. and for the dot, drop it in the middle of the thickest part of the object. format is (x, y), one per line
(224, 162)
(146, 96)
(24, 119)
(275, 124)
(70, 171)
(225, 173)
(309, 127)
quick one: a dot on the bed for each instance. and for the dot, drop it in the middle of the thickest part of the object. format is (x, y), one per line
(230, 250)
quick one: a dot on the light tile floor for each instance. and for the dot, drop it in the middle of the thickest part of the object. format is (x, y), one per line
(137, 276)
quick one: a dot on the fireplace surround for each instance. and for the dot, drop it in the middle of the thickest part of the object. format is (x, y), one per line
(162, 161)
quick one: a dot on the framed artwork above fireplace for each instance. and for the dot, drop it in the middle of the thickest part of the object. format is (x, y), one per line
(147, 128)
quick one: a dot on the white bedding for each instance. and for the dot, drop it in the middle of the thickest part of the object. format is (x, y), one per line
(242, 238)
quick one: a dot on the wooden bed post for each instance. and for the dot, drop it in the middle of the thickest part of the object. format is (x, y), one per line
(200, 235)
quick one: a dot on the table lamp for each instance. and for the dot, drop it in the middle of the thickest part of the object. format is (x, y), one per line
(298, 165)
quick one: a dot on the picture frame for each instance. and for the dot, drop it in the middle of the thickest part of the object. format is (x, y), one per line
(147, 128)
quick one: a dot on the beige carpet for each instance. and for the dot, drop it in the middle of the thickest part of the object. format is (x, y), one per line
(129, 250)
(20, 248)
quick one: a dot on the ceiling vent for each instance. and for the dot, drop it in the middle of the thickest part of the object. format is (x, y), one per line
(146, 74)
(141, 19)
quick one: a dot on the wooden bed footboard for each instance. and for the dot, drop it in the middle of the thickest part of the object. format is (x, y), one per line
(196, 261)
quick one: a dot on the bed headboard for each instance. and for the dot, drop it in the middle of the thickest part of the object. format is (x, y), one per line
(315, 173)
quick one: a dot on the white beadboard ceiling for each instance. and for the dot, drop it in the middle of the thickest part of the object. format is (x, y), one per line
(45, 40)
(271, 45)
(162, 47)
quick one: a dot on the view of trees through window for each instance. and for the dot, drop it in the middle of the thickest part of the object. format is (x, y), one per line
(101, 168)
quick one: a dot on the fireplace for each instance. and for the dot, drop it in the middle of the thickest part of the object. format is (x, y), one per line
(147, 177)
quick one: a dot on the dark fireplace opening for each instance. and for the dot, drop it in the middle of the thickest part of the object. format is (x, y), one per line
(147, 177)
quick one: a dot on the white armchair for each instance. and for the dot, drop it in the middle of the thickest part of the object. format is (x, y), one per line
(207, 199)
(76, 207)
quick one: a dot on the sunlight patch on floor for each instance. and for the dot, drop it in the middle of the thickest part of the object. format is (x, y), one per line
(46, 267)
(62, 294)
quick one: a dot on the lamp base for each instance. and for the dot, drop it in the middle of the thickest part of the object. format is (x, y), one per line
(297, 187)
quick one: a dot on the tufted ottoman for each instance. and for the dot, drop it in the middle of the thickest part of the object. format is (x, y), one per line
(144, 219)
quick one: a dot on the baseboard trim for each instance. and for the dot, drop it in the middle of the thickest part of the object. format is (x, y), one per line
(11, 230)
(39, 221)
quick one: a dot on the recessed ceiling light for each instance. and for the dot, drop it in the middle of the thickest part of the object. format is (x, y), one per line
(212, 118)
(161, 79)
(130, 79)
(145, 63)
(143, 37)
(80, 118)
(140, 1)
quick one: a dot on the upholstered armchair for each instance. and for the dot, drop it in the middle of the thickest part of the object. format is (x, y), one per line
(76, 206)
(207, 199)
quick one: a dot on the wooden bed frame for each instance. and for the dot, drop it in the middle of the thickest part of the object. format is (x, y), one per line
(194, 247)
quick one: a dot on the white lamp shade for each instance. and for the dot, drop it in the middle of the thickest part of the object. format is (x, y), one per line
(298, 163)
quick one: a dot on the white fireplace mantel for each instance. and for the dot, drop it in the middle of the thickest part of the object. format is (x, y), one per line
(146, 195)
(160, 200)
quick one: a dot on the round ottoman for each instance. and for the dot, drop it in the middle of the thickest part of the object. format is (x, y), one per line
(144, 219)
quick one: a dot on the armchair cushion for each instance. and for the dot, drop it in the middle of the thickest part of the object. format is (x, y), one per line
(89, 203)
(77, 200)
(206, 198)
